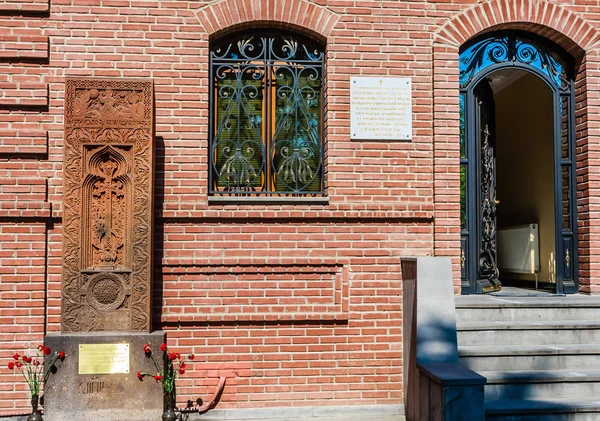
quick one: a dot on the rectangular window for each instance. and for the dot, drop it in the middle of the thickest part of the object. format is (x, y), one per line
(267, 117)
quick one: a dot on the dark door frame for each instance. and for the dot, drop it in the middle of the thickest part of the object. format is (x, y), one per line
(566, 254)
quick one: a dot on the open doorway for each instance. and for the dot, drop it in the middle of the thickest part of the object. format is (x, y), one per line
(525, 215)
(517, 165)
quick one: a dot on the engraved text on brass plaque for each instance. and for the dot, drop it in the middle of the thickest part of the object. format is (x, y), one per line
(103, 358)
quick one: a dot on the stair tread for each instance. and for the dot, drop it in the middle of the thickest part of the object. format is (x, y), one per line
(528, 325)
(487, 301)
(511, 350)
(540, 376)
(529, 406)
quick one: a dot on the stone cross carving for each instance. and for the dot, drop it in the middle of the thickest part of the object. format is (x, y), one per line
(109, 192)
(107, 216)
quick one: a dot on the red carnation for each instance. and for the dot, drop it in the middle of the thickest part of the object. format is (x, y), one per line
(163, 347)
(191, 356)
(140, 375)
(61, 355)
(16, 356)
(40, 347)
(182, 365)
(46, 351)
(11, 365)
(147, 349)
(158, 377)
(19, 365)
(26, 359)
(181, 371)
(172, 356)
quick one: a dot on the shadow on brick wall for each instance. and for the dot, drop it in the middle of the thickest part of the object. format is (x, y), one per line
(159, 195)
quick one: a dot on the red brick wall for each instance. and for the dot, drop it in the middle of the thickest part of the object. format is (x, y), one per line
(332, 272)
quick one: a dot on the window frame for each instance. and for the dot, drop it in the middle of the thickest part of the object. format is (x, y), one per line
(269, 52)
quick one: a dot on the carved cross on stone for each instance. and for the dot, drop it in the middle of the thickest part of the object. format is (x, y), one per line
(107, 190)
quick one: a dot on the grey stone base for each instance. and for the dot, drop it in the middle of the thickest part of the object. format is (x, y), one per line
(108, 397)
(121, 415)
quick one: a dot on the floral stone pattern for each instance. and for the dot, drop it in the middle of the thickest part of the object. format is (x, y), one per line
(108, 188)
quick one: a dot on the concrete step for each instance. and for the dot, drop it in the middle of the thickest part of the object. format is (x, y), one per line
(528, 333)
(530, 357)
(553, 409)
(527, 314)
(478, 308)
(541, 384)
(541, 355)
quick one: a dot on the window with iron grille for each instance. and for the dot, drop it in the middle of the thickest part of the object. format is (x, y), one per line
(266, 123)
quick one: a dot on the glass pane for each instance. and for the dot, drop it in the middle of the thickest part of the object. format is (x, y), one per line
(267, 114)
(463, 133)
(566, 205)
(238, 144)
(296, 146)
(564, 127)
(463, 197)
(507, 47)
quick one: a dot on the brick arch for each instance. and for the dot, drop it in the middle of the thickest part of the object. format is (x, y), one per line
(223, 14)
(550, 20)
(577, 37)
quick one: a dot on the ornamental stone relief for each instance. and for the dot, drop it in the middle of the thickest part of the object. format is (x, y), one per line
(107, 193)
(108, 183)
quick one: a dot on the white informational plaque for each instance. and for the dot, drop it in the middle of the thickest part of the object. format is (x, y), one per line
(380, 108)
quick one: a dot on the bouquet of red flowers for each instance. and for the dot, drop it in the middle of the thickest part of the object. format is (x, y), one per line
(33, 368)
(175, 365)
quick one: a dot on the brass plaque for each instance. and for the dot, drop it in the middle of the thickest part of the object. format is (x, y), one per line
(103, 358)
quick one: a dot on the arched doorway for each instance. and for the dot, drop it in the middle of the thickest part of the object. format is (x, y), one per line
(517, 165)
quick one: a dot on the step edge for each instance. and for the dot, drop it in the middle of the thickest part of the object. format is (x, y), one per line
(520, 350)
(517, 325)
(558, 405)
(530, 376)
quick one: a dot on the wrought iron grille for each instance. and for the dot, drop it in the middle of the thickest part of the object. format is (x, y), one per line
(513, 47)
(266, 124)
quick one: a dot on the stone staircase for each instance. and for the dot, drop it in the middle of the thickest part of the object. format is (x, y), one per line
(540, 355)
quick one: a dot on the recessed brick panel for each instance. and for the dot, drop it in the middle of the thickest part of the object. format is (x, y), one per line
(23, 95)
(24, 6)
(23, 189)
(257, 293)
(16, 142)
(22, 304)
(23, 47)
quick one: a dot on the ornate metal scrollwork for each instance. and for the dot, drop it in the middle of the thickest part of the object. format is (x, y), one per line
(488, 268)
(267, 112)
(511, 47)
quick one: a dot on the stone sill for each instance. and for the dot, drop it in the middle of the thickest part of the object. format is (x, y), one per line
(254, 317)
(267, 200)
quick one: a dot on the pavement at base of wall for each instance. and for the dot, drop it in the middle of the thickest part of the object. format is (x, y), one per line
(324, 413)
(344, 418)
(388, 412)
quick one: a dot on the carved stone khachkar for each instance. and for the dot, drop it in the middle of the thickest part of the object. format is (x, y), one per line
(107, 199)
